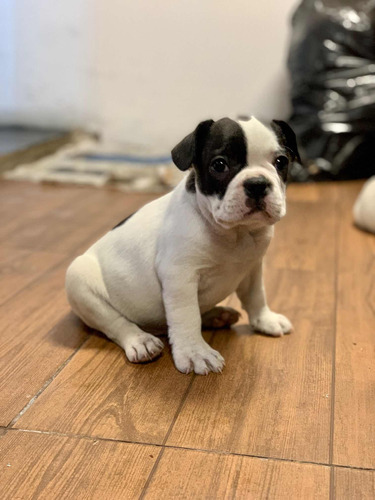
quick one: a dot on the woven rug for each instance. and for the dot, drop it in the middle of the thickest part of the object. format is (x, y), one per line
(86, 161)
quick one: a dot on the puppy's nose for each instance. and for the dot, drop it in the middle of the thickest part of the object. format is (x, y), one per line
(257, 187)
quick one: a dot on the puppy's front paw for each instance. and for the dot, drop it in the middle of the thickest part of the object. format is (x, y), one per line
(200, 358)
(271, 323)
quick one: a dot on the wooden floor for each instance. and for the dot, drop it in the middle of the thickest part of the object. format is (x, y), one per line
(290, 417)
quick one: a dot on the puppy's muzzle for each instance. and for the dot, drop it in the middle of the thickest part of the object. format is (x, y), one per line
(257, 188)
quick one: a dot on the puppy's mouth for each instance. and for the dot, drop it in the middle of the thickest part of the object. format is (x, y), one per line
(257, 206)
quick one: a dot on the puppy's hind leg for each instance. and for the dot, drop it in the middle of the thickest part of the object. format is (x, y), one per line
(219, 317)
(89, 299)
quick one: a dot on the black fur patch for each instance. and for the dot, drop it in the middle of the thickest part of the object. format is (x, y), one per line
(123, 221)
(287, 139)
(224, 139)
(190, 182)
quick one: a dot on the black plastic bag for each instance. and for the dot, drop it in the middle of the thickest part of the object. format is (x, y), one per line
(332, 69)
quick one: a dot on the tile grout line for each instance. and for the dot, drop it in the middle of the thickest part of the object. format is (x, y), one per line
(152, 473)
(45, 385)
(333, 375)
(184, 448)
(163, 445)
(331, 482)
(168, 433)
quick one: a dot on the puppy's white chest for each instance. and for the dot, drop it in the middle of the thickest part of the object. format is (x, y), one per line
(217, 283)
(230, 265)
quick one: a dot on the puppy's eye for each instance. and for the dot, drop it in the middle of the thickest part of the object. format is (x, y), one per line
(219, 165)
(281, 162)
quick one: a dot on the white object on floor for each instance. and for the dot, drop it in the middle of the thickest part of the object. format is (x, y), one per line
(364, 207)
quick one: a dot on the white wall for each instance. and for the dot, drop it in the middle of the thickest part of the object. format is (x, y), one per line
(7, 104)
(48, 56)
(147, 72)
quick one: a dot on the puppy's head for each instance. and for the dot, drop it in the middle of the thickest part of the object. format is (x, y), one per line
(239, 169)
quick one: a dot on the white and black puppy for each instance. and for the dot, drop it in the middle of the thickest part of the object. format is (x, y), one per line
(170, 263)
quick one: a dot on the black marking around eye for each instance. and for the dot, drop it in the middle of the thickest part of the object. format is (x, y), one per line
(227, 139)
(282, 169)
(287, 139)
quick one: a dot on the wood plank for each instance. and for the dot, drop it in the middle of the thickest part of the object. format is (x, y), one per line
(273, 398)
(354, 436)
(352, 484)
(36, 336)
(44, 467)
(60, 219)
(66, 226)
(99, 393)
(305, 238)
(11, 190)
(20, 267)
(193, 474)
(23, 204)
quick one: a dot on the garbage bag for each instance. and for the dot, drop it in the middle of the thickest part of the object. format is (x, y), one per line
(332, 68)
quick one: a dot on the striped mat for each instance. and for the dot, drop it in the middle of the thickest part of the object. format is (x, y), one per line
(86, 161)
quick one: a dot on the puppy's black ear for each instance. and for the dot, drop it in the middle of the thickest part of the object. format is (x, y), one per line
(286, 137)
(184, 154)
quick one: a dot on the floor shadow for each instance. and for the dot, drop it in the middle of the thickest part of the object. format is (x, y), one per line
(70, 331)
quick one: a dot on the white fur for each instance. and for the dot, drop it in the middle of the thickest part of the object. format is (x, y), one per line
(175, 259)
(364, 208)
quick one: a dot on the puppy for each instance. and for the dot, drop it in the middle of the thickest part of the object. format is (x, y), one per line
(171, 262)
